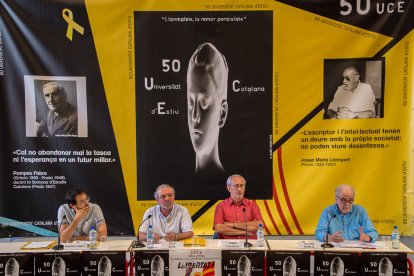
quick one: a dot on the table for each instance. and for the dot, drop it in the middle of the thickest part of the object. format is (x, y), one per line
(285, 255)
(274, 259)
(211, 259)
(109, 259)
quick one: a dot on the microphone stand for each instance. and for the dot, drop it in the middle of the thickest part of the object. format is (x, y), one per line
(327, 244)
(137, 243)
(246, 242)
(59, 246)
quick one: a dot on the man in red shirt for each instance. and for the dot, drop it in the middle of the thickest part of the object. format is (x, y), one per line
(233, 213)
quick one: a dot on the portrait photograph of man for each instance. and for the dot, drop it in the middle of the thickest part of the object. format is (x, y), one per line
(55, 107)
(353, 88)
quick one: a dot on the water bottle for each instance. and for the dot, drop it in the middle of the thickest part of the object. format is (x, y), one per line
(260, 236)
(150, 237)
(395, 238)
(92, 238)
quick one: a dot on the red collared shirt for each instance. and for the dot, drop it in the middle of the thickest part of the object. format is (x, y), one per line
(228, 211)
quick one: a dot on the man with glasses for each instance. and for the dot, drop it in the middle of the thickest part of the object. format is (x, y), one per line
(347, 221)
(353, 99)
(78, 216)
(170, 221)
(233, 213)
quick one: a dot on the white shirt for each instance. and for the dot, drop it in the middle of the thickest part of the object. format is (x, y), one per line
(178, 221)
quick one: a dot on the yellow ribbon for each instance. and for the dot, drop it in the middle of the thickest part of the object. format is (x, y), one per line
(68, 17)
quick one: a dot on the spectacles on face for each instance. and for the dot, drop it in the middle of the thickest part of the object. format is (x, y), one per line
(84, 202)
(348, 78)
(345, 201)
(165, 196)
(236, 186)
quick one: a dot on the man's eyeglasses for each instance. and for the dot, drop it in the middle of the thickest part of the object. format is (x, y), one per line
(165, 196)
(236, 186)
(84, 202)
(347, 78)
(345, 201)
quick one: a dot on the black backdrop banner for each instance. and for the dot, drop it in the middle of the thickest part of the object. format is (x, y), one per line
(135, 116)
(34, 49)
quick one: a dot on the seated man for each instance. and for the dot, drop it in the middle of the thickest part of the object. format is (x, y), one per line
(348, 221)
(353, 99)
(233, 213)
(169, 221)
(78, 216)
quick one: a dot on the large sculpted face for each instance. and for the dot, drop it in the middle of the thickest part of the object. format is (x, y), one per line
(203, 105)
(206, 97)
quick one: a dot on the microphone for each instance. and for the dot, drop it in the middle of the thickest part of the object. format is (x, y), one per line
(59, 246)
(137, 243)
(327, 244)
(246, 242)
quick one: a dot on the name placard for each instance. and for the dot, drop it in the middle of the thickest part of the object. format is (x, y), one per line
(306, 244)
(75, 246)
(229, 244)
(175, 244)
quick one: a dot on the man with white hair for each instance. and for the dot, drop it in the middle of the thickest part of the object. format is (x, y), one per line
(353, 99)
(347, 221)
(234, 213)
(62, 119)
(170, 221)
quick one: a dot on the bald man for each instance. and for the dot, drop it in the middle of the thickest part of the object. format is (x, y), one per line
(348, 221)
(207, 106)
(353, 99)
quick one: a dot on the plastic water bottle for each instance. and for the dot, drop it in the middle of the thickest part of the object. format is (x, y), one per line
(260, 236)
(92, 238)
(395, 238)
(150, 237)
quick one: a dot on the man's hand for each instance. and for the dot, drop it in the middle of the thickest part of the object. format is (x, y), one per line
(156, 237)
(41, 129)
(336, 237)
(346, 113)
(169, 237)
(362, 236)
(230, 224)
(81, 213)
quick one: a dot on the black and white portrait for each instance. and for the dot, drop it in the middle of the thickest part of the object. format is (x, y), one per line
(58, 267)
(157, 266)
(203, 101)
(337, 267)
(385, 267)
(104, 266)
(12, 267)
(289, 266)
(207, 107)
(353, 88)
(55, 106)
(244, 266)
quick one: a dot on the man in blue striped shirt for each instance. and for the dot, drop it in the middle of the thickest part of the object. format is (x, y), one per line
(346, 220)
